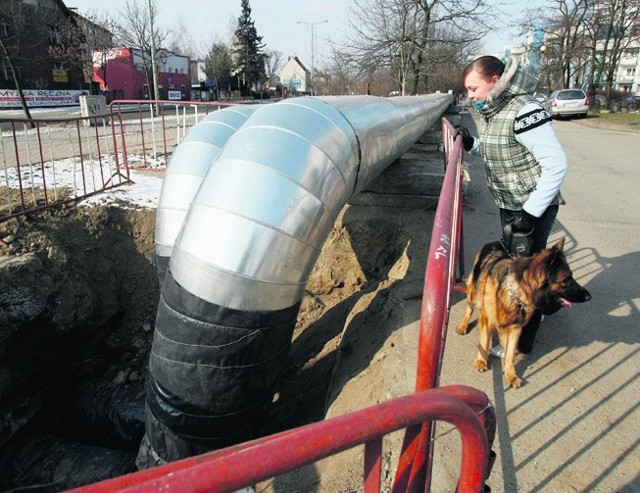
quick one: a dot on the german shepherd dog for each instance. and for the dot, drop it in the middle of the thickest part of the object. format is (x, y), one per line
(508, 292)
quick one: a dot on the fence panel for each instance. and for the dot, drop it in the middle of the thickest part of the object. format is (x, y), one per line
(152, 129)
(47, 162)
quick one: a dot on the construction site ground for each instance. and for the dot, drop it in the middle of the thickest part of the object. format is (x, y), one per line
(86, 282)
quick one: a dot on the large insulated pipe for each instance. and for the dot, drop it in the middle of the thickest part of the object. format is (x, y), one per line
(189, 164)
(241, 261)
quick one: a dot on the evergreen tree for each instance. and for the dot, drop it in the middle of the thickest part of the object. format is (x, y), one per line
(247, 51)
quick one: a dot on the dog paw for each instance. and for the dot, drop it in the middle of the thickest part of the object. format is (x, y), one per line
(480, 365)
(462, 329)
(514, 381)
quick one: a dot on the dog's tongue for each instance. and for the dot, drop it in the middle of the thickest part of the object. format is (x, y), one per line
(566, 303)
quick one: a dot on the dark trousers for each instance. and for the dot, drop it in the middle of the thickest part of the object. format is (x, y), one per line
(542, 228)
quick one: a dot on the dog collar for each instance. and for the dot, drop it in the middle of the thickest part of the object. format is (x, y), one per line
(512, 293)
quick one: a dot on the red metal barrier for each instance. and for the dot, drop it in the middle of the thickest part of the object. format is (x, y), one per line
(415, 466)
(153, 128)
(53, 161)
(100, 150)
(246, 464)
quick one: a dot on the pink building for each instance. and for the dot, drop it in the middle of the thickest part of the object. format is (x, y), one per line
(120, 70)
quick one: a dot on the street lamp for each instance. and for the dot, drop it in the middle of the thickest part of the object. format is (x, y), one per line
(154, 67)
(312, 51)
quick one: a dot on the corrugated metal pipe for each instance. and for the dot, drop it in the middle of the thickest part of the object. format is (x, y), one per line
(240, 263)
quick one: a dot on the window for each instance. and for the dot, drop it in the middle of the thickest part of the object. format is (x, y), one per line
(55, 38)
(5, 70)
(631, 72)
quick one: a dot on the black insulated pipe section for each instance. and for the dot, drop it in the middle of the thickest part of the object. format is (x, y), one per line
(201, 350)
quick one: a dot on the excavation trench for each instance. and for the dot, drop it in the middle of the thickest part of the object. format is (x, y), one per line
(77, 310)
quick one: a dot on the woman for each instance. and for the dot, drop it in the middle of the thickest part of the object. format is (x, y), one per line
(525, 163)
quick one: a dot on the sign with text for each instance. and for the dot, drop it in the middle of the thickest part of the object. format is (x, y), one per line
(59, 75)
(175, 95)
(93, 106)
(292, 82)
(9, 98)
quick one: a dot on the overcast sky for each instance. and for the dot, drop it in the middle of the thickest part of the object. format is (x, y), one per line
(275, 20)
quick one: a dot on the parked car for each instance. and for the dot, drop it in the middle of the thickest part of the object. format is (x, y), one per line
(568, 102)
(632, 102)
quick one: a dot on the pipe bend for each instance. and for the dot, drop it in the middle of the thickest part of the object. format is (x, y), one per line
(252, 233)
(266, 206)
(188, 165)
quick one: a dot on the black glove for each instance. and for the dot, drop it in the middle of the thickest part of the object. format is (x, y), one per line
(523, 223)
(518, 234)
(467, 139)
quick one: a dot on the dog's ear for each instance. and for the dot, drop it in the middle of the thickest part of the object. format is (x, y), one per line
(558, 246)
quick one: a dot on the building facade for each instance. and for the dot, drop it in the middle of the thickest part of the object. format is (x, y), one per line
(29, 31)
(121, 71)
(294, 77)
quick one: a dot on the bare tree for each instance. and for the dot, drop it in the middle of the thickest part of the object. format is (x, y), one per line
(613, 32)
(272, 65)
(342, 75)
(86, 41)
(181, 42)
(586, 40)
(566, 44)
(413, 38)
(217, 66)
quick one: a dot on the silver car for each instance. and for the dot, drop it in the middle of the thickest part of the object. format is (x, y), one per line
(568, 102)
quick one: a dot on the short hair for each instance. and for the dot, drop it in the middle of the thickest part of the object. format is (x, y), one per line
(487, 66)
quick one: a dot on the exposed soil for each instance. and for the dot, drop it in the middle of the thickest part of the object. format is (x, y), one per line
(78, 307)
(77, 310)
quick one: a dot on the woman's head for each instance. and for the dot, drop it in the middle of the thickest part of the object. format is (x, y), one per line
(481, 75)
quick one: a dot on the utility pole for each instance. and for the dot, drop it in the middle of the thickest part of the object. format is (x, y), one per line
(313, 88)
(154, 67)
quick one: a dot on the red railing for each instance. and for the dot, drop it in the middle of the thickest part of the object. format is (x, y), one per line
(247, 464)
(48, 162)
(415, 466)
(467, 408)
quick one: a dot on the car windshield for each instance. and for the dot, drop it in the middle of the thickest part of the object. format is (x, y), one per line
(571, 95)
